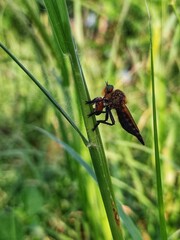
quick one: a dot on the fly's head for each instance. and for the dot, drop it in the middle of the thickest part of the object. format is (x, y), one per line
(108, 90)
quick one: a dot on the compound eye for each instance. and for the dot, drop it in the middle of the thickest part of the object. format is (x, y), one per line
(109, 88)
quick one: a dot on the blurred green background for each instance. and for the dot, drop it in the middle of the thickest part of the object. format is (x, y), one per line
(44, 193)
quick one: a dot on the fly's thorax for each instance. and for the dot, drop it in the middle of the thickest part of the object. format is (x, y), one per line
(117, 100)
(107, 96)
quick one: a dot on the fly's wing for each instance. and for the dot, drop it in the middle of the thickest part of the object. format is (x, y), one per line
(127, 122)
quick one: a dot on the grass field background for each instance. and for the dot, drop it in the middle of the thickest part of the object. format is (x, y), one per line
(45, 193)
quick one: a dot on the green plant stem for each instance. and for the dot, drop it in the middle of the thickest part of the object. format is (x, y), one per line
(97, 151)
(59, 19)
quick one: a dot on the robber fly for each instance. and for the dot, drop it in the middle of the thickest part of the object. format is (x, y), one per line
(114, 99)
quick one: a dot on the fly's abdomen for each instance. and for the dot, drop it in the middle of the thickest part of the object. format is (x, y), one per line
(127, 122)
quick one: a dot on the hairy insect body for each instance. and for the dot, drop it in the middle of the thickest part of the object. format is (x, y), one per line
(115, 99)
(99, 106)
(127, 122)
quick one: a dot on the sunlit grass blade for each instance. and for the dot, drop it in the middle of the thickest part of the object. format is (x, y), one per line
(175, 235)
(162, 222)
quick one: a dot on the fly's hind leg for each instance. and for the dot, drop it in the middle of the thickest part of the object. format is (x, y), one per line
(108, 114)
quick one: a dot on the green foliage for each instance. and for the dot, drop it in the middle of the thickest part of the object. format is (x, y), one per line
(44, 193)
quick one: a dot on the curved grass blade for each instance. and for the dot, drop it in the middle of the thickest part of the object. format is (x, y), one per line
(132, 229)
(128, 223)
(71, 151)
(48, 95)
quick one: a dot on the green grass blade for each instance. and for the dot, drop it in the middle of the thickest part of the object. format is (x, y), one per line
(175, 235)
(132, 229)
(162, 222)
(61, 28)
(48, 95)
(71, 151)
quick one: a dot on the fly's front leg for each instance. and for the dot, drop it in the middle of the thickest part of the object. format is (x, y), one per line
(95, 113)
(95, 100)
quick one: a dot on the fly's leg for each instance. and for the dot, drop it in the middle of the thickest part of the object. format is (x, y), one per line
(95, 100)
(95, 113)
(108, 114)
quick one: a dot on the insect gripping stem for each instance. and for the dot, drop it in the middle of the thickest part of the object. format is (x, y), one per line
(114, 99)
